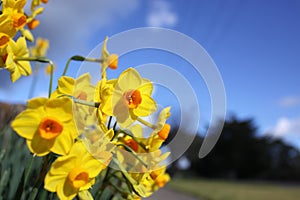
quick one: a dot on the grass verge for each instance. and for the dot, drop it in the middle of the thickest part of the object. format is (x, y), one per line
(229, 190)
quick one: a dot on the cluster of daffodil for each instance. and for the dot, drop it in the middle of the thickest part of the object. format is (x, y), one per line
(15, 26)
(90, 136)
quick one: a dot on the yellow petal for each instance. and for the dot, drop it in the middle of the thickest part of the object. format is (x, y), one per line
(63, 143)
(63, 165)
(51, 181)
(39, 146)
(137, 130)
(61, 107)
(85, 195)
(66, 85)
(129, 79)
(94, 166)
(146, 88)
(66, 191)
(27, 34)
(26, 123)
(147, 107)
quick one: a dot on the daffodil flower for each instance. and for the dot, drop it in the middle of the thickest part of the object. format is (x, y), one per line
(47, 126)
(17, 68)
(81, 89)
(131, 98)
(74, 173)
(103, 93)
(40, 48)
(160, 176)
(12, 18)
(161, 131)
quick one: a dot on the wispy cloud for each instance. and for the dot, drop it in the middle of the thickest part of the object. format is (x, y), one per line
(161, 14)
(289, 101)
(70, 25)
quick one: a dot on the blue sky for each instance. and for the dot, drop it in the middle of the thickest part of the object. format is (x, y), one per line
(254, 43)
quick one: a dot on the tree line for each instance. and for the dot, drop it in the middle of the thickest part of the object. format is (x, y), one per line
(241, 153)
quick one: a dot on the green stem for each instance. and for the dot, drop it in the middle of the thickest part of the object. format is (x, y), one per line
(28, 169)
(146, 123)
(127, 148)
(87, 103)
(101, 189)
(42, 60)
(81, 59)
(82, 102)
(117, 189)
(37, 59)
(51, 79)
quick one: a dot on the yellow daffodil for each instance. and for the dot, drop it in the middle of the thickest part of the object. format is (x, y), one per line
(131, 98)
(161, 131)
(81, 89)
(97, 142)
(160, 177)
(103, 93)
(47, 126)
(73, 173)
(40, 48)
(17, 68)
(151, 182)
(12, 18)
(107, 60)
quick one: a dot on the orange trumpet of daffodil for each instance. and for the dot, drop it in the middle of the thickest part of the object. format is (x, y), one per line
(47, 125)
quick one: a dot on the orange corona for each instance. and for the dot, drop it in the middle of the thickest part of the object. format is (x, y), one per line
(50, 128)
(133, 98)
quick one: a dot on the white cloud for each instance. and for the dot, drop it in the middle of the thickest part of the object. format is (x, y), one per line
(287, 129)
(289, 101)
(70, 24)
(161, 14)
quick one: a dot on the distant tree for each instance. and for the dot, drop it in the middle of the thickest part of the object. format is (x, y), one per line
(241, 154)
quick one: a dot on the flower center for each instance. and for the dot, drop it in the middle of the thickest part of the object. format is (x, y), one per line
(4, 39)
(4, 57)
(132, 144)
(164, 132)
(50, 128)
(154, 174)
(132, 98)
(19, 20)
(82, 95)
(78, 177)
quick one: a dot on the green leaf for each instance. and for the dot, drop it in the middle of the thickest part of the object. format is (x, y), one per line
(106, 194)
(20, 188)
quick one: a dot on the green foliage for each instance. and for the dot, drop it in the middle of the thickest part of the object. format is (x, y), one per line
(15, 157)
